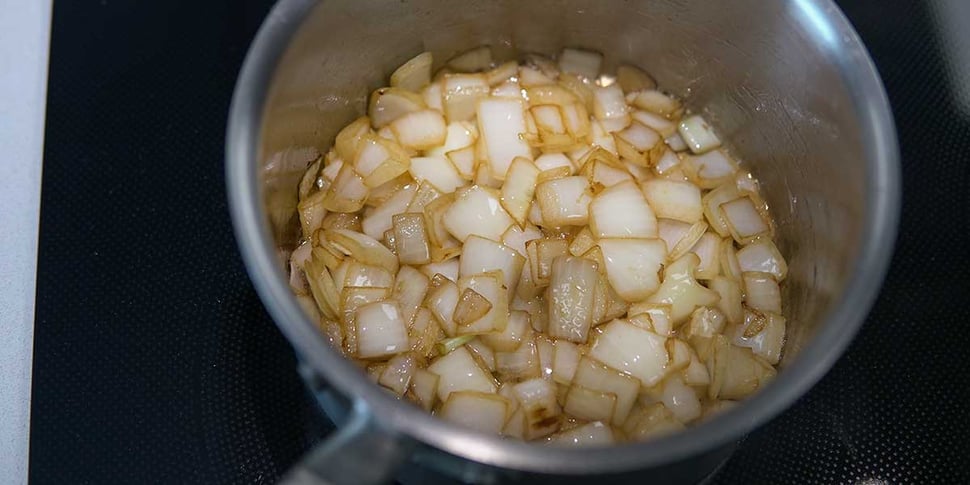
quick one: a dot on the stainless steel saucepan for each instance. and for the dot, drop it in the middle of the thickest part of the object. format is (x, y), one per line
(788, 85)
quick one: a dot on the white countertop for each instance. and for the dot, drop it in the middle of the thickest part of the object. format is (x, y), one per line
(24, 41)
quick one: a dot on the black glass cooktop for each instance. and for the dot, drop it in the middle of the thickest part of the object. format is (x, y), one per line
(155, 362)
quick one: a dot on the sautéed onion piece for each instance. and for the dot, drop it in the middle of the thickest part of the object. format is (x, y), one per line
(542, 250)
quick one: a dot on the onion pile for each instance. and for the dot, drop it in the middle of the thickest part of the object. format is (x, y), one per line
(541, 251)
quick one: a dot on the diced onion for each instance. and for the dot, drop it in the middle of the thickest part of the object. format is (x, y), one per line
(460, 134)
(590, 404)
(347, 193)
(589, 434)
(432, 96)
(707, 249)
(570, 298)
(438, 171)
(737, 372)
(650, 422)
(657, 314)
(502, 123)
(379, 220)
(681, 400)
(458, 371)
(512, 337)
(550, 161)
(710, 169)
(378, 161)
(564, 201)
(479, 212)
(622, 211)
(564, 361)
(480, 411)
(639, 144)
(676, 142)
(389, 104)
(729, 260)
(442, 301)
(602, 138)
(345, 144)
(744, 220)
(460, 94)
(381, 330)
(596, 376)
(655, 102)
(674, 200)
(655, 122)
(730, 297)
(516, 237)
(537, 398)
(519, 364)
(482, 353)
(542, 254)
(712, 207)
(672, 232)
(517, 248)
(332, 169)
(763, 256)
(420, 130)
(447, 268)
(679, 354)
(410, 289)
(363, 248)
(413, 74)
(423, 198)
(632, 266)
(633, 350)
(503, 73)
(471, 307)
(698, 134)
(398, 373)
(529, 76)
(550, 94)
(763, 333)
(424, 333)
(583, 62)
(696, 373)
(608, 103)
(474, 60)
(632, 78)
(681, 291)
(519, 189)
(490, 287)
(424, 386)
(365, 276)
(480, 255)
(548, 119)
(411, 239)
(761, 292)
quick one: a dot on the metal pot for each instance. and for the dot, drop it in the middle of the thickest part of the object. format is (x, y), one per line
(788, 85)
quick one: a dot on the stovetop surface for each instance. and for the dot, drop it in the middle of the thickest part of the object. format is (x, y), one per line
(156, 363)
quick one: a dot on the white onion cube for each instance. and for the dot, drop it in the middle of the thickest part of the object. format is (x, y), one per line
(674, 199)
(564, 201)
(381, 330)
(621, 211)
(632, 350)
(632, 266)
(698, 134)
(475, 410)
(458, 371)
(502, 124)
(477, 211)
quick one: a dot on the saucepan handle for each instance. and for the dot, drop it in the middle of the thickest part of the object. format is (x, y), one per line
(360, 452)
